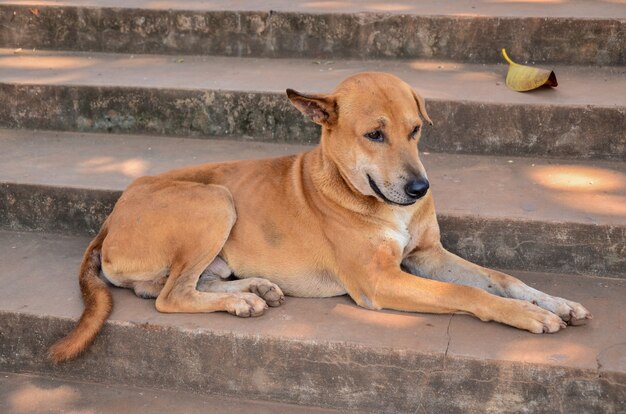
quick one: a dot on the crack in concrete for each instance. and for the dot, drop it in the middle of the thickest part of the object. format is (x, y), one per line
(600, 366)
(445, 354)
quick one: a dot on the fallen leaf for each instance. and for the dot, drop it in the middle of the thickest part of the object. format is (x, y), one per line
(17, 51)
(35, 12)
(526, 78)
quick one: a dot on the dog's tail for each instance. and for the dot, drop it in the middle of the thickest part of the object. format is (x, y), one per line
(98, 304)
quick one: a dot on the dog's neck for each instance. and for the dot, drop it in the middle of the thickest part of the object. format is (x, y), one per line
(333, 186)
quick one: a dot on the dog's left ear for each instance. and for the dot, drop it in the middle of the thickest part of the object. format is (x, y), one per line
(321, 109)
(421, 106)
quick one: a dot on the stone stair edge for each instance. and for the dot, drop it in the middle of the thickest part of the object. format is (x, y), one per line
(383, 364)
(184, 113)
(428, 8)
(260, 41)
(224, 333)
(275, 94)
(554, 247)
(451, 215)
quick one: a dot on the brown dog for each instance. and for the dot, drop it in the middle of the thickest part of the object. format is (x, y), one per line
(353, 215)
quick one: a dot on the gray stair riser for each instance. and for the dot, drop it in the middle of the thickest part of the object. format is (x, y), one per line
(324, 374)
(460, 126)
(316, 35)
(575, 248)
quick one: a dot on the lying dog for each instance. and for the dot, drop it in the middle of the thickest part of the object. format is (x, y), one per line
(353, 215)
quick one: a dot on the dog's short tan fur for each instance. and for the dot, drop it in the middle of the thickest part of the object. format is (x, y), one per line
(312, 224)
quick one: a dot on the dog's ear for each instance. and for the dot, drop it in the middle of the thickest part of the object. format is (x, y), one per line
(321, 109)
(421, 106)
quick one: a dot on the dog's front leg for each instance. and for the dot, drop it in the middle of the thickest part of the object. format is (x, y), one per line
(381, 284)
(439, 264)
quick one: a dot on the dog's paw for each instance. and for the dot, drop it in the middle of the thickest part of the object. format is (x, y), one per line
(245, 304)
(577, 314)
(269, 291)
(534, 319)
(571, 312)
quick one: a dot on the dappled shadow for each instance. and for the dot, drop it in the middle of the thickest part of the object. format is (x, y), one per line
(537, 2)
(532, 349)
(28, 398)
(589, 189)
(132, 167)
(377, 318)
(326, 4)
(45, 67)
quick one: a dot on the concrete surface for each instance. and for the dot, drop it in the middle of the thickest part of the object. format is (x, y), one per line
(542, 214)
(32, 394)
(576, 32)
(473, 110)
(590, 9)
(322, 352)
(435, 79)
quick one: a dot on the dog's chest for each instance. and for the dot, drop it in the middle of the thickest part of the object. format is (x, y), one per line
(399, 229)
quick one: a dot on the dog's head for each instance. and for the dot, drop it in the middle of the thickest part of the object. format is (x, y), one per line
(371, 126)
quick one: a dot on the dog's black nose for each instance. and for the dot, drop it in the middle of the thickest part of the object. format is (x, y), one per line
(417, 188)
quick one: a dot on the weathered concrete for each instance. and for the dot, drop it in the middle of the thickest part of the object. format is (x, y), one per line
(534, 245)
(473, 111)
(317, 33)
(322, 352)
(589, 9)
(541, 189)
(58, 209)
(520, 244)
(32, 394)
(540, 214)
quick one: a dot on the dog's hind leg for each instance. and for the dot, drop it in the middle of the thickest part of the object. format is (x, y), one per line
(205, 231)
(180, 295)
(439, 264)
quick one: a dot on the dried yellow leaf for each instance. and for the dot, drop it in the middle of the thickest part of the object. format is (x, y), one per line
(526, 78)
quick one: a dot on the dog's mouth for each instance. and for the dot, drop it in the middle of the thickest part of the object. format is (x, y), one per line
(381, 195)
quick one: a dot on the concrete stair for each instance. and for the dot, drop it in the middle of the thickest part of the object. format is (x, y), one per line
(531, 214)
(473, 110)
(321, 352)
(583, 32)
(532, 183)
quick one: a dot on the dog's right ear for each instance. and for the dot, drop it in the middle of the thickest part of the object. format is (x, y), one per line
(421, 106)
(321, 109)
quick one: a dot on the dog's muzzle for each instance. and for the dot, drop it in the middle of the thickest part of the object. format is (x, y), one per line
(413, 190)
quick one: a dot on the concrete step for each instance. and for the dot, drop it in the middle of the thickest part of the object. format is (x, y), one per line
(510, 212)
(581, 32)
(473, 111)
(319, 352)
(36, 394)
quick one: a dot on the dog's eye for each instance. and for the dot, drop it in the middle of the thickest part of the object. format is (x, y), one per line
(376, 136)
(415, 131)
